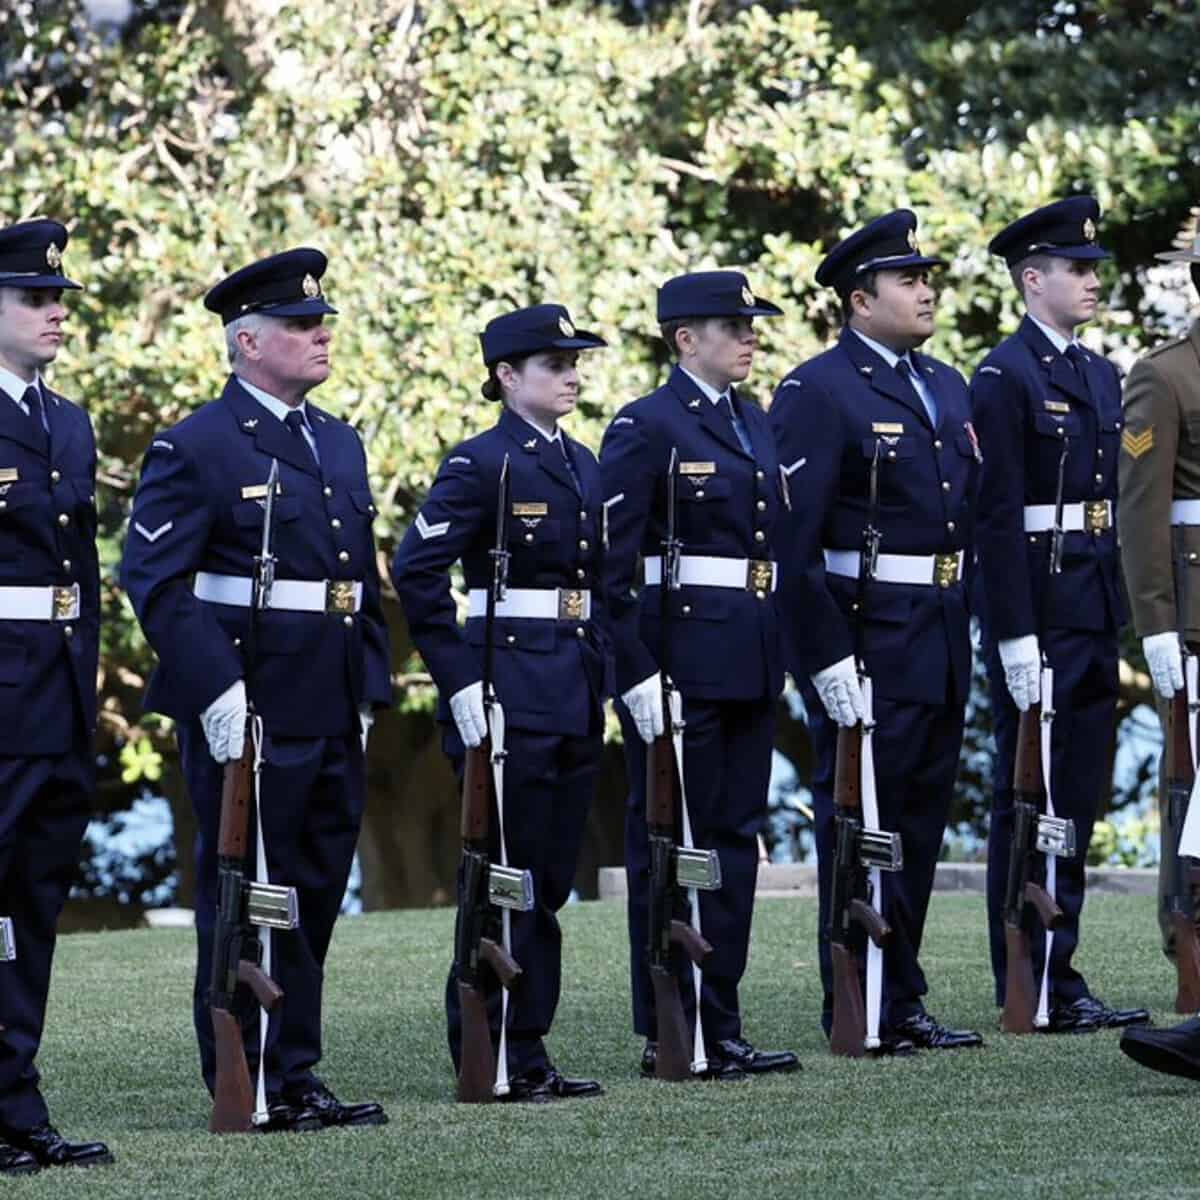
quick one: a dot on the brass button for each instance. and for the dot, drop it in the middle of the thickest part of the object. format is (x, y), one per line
(761, 506)
(759, 536)
(237, 641)
(582, 515)
(511, 639)
(699, 493)
(579, 631)
(937, 443)
(1192, 556)
(1099, 453)
(1099, 478)
(66, 564)
(529, 537)
(759, 475)
(3, 503)
(55, 476)
(686, 610)
(63, 519)
(761, 594)
(69, 630)
(891, 454)
(583, 543)
(347, 620)
(950, 526)
(1033, 539)
(580, 573)
(1060, 431)
(327, 490)
(336, 523)
(343, 556)
(945, 485)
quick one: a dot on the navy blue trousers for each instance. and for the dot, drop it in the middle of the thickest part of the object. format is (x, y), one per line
(45, 803)
(916, 757)
(549, 782)
(313, 794)
(1085, 699)
(727, 766)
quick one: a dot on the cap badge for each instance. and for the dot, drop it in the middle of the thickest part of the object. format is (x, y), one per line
(53, 257)
(1089, 230)
(747, 297)
(912, 241)
(310, 287)
(568, 330)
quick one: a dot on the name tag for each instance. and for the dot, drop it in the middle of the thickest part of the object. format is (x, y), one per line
(529, 508)
(9, 474)
(697, 468)
(887, 427)
(258, 491)
(1057, 406)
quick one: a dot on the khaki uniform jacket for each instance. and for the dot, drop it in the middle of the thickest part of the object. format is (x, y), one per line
(1160, 462)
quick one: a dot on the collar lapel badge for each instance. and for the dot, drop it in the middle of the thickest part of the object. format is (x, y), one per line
(250, 423)
(531, 444)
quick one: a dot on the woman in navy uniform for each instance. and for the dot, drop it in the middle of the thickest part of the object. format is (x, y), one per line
(1034, 392)
(49, 644)
(724, 651)
(321, 664)
(873, 395)
(551, 649)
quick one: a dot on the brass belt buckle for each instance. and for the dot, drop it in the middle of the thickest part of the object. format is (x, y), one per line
(571, 604)
(945, 569)
(65, 602)
(1095, 516)
(760, 574)
(339, 595)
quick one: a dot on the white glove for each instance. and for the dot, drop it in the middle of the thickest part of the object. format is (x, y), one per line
(1165, 661)
(466, 707)
(1022, 669)
(366, 718)
(224, 722)
(840, 692)
(644, 701)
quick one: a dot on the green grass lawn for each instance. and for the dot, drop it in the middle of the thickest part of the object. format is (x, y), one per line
(1062, 1118)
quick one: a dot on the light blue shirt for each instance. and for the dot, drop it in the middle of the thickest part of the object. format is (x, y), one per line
(1055, 338)
(890, 357)
(15, 387)
(278, 409)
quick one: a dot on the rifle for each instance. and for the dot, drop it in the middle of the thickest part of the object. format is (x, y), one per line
(1034, 832)
(857, 850)
(672, 866)
(486, 885)
(242, 902)
(1180, 776)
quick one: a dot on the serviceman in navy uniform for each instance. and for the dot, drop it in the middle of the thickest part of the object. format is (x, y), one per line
(49, 645)
(724, 650)
(873, 394)
(551, 658)
(1037, 389)
(322, 662)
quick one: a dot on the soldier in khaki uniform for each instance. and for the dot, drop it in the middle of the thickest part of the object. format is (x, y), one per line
(1159, 518)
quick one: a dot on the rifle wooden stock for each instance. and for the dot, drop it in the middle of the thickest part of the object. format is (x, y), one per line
(237, 789)
(477, 793)
(477, 1059)
(502, 963)
(661, 783)
(1020, 986)
(233, 1095)
(673, 1062)
(266, 991)
(694, 945)
(877, 929)
(1180, 776)
(847, 771)
(848, 1034)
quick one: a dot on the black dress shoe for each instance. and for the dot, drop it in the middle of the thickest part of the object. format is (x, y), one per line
(289, 1118)
(720, 1070)
(892, 1045)
(742, 1055)
(1087, 1015)
(926, 1034)
(1174, 1051)
(329, 1110)
(49, 1148)
(543, 1085)
(16, 1162)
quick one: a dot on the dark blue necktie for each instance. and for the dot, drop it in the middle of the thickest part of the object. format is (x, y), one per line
(739, 426)
(570, 465)
(295, 423)
(1078, 360)
(905, 370)
(32, 399)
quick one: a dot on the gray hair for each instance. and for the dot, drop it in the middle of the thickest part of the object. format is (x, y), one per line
(252, 323)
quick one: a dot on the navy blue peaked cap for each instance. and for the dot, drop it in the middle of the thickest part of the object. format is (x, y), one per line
(888, 243)
(529, 330)
(31, 255)
(1066, 229)
(711, 294)
(284, 285)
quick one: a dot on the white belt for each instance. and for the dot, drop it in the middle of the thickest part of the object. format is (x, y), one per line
(39, 603)
(704, 570)
(926, 569)
(1090, 516)
(290, 595)
(1185, 512)
(547, 604)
